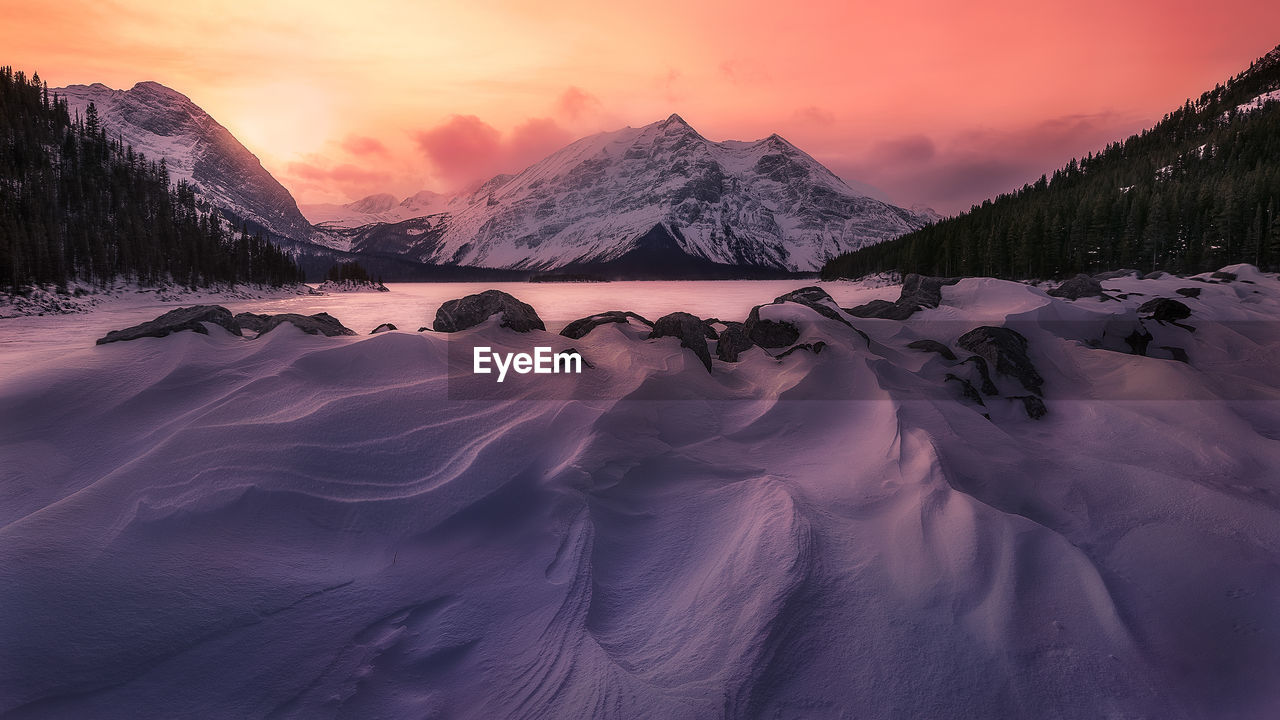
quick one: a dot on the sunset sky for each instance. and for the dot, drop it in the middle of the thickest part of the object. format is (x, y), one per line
(932, 101)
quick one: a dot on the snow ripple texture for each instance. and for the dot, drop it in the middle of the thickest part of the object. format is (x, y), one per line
(309, 527)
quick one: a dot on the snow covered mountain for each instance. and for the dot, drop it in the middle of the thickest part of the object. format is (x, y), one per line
(656, 196)
(163, 123)
(379, 208)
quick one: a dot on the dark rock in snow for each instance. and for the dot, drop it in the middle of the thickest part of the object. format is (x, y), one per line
(1178, 353)
(815, 348)
(918, 292)
(1154, 275)
(472, 310)
(770, 333)
(689, 329)
(1138, 340)
(1224, 275)
(1189, 292)
(1033, 405)
(318, 324)
(253, 322)
(582, 326)
(384, 327)
(1006, 350)
(1166, 310)
(932, 346)
(424, 328)
(177, 320)
(984, 373)
(733, 342)
(967, 389)
(1078, 287)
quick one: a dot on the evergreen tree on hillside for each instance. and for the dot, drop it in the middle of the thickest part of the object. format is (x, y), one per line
(1199, 190)
(78, 205)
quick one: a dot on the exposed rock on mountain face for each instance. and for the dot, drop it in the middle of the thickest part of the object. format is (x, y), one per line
(163, 123)
(660, 195)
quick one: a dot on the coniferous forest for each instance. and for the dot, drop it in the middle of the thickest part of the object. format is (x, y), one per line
(1198, 191)
(77, 205)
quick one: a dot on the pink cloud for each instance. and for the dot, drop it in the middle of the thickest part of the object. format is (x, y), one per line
(576, 102)
(361, 145)
(466, 149)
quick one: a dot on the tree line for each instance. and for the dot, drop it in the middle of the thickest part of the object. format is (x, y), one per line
(76, 204)
(1199, 190)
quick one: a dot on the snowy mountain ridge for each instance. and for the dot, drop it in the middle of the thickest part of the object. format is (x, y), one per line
(662, 190)
(163, 123)
(655, 197)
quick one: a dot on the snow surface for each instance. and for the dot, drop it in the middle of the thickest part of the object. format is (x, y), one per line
(1258, 102)
(300, 526)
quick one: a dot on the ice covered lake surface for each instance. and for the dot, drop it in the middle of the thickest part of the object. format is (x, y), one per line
(299, 526)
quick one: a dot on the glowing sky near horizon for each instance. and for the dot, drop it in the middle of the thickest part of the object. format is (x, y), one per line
(932, 101)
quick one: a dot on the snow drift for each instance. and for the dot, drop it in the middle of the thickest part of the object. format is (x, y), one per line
(301, 526)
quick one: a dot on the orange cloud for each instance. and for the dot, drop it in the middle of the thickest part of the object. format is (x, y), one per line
(576, 102)
(360, 145)
(466, 149)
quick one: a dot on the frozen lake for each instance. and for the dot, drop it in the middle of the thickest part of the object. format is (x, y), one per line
(410, 306)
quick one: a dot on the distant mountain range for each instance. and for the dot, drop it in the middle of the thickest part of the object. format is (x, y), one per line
(659, 200)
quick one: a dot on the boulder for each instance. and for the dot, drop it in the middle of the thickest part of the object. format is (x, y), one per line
(1189, 292)
(253, 322)
(1138, 340)
(1078, 287)
(770, 333)
(984, 374)
(918, 292)
(580, 327)
(1165, 310)
(1006, 351)
(932, 346)
(1224, 276)
(384, 327)
(815, 348)
(1033, 405)
(689, 329)
(967, 389)
(1156, 275)
(318, 324)
(177, 320)
(733, 342)
(467, 312)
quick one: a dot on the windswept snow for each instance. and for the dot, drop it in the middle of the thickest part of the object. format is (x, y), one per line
(299, 526)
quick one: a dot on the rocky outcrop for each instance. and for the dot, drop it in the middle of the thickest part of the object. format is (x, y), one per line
(467, 312)
(1080, 286)
(1006, 351)
(384, 327)
(582, 326)
(186, 318)
(1224, 276)
(770, 333)
(691, 331)
(1166, 310)
(918, 292)
(318, 324)
(1189, 292)
(815, 348)
(933, 346)
(733, 342)
(1034, 406)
